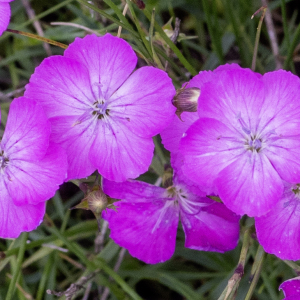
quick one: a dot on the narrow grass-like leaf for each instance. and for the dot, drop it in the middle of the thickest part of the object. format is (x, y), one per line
(12, 285)
(292, 48)
(173, 47)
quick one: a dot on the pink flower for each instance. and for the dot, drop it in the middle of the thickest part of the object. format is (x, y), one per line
(31, 169)
(4, 14)
(247, 138)
(279, 230)
(146, 219)
(101, 114)
(291, 289)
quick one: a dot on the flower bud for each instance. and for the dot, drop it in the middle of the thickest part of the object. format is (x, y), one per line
(186, 99)
(139, 3)
(96, 201)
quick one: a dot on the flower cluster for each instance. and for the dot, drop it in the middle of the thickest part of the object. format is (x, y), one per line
(237, 138)
(243, 144)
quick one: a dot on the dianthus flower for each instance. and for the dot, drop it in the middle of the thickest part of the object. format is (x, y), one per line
(4, 14)
(31, 169)
(291, 289)
(146, 219)
(279, 230)
(173, 133)
(247, 138)
(101, 114)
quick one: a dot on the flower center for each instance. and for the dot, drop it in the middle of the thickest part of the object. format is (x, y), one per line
(182, 199)
(3, 160)
(100, 109)
(254, 144)
(296, 190)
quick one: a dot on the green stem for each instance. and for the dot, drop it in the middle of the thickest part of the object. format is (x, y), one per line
(263, 8)
(256, 270)
(37, 37)
(12, 285)
(234, 281)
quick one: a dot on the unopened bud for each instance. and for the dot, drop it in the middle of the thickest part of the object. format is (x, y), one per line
(186, 99)
(139, 3)
(96, 201)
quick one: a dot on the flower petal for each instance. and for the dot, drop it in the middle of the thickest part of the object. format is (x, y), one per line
(27, 131)
(172, 135)
(208, 147)
(110, 60)
(214, 228)
(5, 16)
(33, 182)
(77, 140)
(234, 97)
(132, 190)
(16, 219)
(284, 155)
(249, 185)
(279, 230)
(145, 226)
(280, 112)
(291, 288)
(118, 153)
(62, 86)
(145, 99)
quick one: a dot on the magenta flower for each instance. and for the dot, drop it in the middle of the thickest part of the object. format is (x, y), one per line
(173, 133)
(291, 289)
(279, 230)
(4, 14)
(146, 219)
(31, 169)
(101, 114)
(247, 138)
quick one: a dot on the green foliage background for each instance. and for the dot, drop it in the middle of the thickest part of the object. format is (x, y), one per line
(62, 249)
